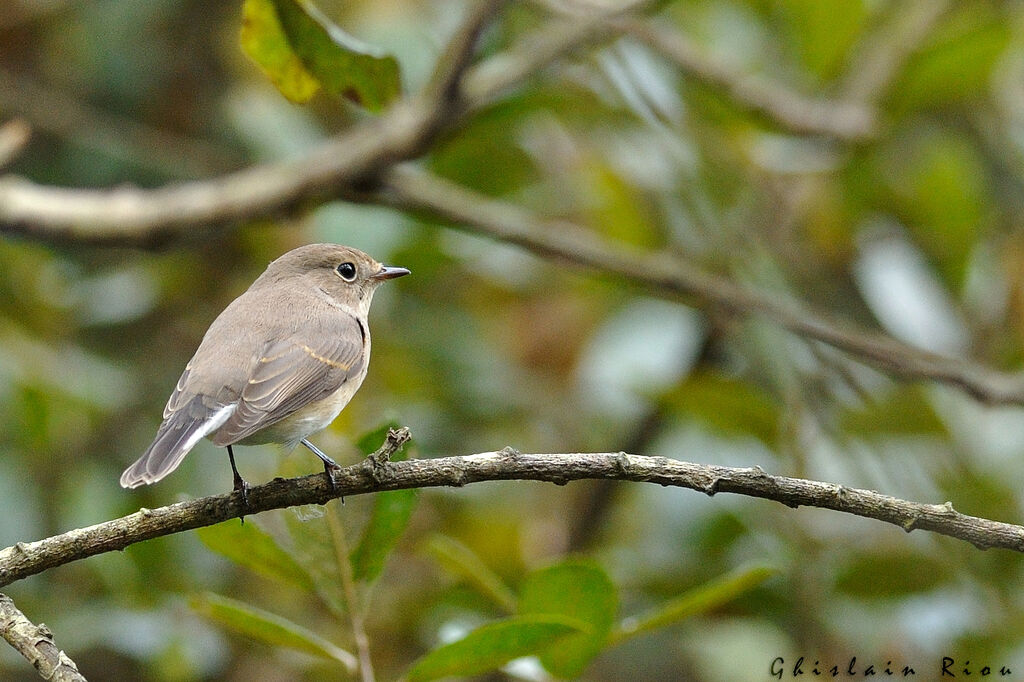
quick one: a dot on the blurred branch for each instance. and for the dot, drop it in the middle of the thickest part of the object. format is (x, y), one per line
(553, 41)
(35, 643)
(130, 215)
(377, 473)
(445, 83)
(355, 607)
(145, 217)
(851, 116)
(846, 120)
(673, 276)
(366, 155)
(884, 51)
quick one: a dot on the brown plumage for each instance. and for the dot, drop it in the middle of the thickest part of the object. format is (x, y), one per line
(278, 364)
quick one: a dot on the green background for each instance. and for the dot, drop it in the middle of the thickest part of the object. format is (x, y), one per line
(914, 229)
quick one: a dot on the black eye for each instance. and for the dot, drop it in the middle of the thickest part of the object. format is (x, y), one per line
(347, 271)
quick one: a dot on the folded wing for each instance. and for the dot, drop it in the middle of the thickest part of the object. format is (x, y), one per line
(289, 373)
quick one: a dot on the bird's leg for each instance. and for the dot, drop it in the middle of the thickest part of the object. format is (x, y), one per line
(330, 466)
(240, 484)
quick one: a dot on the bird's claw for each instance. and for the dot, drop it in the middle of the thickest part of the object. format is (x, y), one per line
(330, 468)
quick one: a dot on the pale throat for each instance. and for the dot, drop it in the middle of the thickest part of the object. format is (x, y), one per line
(360, 310)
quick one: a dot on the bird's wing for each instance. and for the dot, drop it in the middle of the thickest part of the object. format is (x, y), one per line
(179, 432)
(236, 400)
(294, 371)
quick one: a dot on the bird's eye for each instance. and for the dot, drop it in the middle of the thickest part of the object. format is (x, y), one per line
(347, 271)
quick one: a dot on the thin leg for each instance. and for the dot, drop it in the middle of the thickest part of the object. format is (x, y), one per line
(240, 484)
(330, 466)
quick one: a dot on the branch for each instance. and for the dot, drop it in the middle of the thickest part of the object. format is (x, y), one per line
(553, 41)
(848, 121)
(852, 116)
(145, 217)
(885, 51)
(135, 216)
(675, 277)
(35, 642)
(377, 473)
(353, 605)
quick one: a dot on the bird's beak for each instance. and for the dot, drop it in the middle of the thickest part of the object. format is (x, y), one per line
(389, 272)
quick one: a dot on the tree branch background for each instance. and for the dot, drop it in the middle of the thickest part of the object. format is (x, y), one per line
(780, 234)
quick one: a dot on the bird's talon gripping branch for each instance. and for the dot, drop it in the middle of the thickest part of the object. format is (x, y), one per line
(240, 485)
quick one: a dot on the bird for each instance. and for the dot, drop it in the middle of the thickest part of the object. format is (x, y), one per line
(277, 365)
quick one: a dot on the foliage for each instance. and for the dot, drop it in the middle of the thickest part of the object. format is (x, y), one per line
(912, 230)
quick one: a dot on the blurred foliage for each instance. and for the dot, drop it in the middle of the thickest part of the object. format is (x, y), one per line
(915, 230)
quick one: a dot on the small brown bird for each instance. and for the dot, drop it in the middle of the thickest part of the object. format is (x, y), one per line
(277, 365)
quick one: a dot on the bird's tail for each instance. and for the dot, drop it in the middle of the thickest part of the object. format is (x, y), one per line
(176, 436)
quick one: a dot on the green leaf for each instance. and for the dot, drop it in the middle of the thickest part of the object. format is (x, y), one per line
(892, 573)
(904, 410)
(268, 627)
(493, 645)
(391, 513)
(824, 31)
(459, 559)
(301, 51)
(315, 552)
(729, 406)
(248, 546)
(957, 63)
(264, 40)
(575, 589)
(699, 600)
(939, 186)
(615, 208)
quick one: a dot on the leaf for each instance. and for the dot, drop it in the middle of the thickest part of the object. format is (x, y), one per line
(264, 40)
(391, 513)
(268, 627)
(314, 550)
(248, 546)
(938, 185)
(614, 207)
(699, 600)
(891, 573)
(389, 518)
(301, 51)
(729, 406)
(904, 410)
(957, 63)
(824, 31)
(492, 645)
(459, 559)
(580, 590)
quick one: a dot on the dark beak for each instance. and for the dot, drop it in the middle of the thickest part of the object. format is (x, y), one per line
(390, 272)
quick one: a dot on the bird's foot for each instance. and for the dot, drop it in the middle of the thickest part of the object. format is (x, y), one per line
(330, 469)
(240, 485)
(330, 466)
